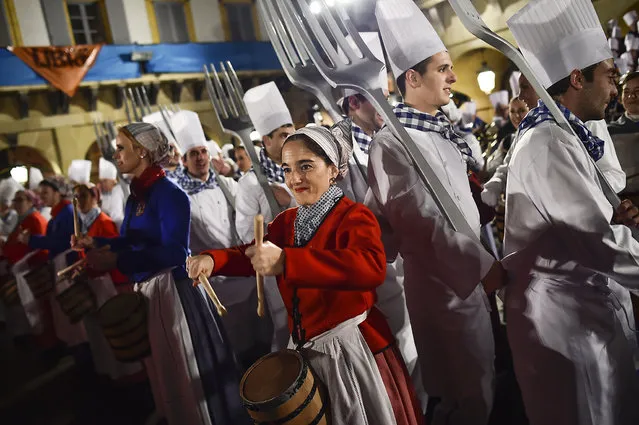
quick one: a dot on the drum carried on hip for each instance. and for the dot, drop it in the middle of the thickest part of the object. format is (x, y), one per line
(124, 321)
(9, 292)
(77, 300)
(40, 280)
(281, 388)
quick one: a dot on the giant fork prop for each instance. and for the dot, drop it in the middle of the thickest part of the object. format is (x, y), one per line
(230, 111)
(471, 19)
(360, 71)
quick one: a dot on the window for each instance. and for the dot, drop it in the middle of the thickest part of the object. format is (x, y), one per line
(5, 34)
(240, 21)
(171, 22)
(86, 23)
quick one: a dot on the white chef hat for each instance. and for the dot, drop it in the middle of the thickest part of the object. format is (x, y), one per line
(628, 40)
(266, 107)
(107, 170)
(35, 177)
(499, 98)
(80, 171)
(452, 112)
(513, 81)
(614, 44)
(408, 36)
(8, 189)
(374, 44)
(635, 44)
(188, 130)
(559, 36)
(625, 63)
(156, 118)
(630, 17)
(468, 112)
(616, 32)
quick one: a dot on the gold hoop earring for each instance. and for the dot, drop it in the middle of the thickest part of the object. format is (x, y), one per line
(333, 180)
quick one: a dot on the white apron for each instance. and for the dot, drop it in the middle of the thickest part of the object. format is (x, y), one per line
(172, 367)
(30, 306)
(343, 362)
(277, 311)
(103, 359)
(67, 332)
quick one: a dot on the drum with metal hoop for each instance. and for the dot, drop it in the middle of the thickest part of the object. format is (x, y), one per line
(124, 321)
(77, 300)
(40, 280)
(9, 292)
(281, 388)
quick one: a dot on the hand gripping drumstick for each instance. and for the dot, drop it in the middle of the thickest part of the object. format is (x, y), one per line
(258, 224)
(76, 230)
(221, 310)
(72, 267)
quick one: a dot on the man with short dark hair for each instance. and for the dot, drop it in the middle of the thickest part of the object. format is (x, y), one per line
(573, 361)
(629, 121)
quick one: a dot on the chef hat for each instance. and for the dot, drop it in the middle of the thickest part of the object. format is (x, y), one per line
(630, 38)
(452, 112)
(625, 63)
(612, 23)
(408, 36)
(35, 177)
(107, 170)
(630, 18)
(80, 171)
(266, 107)
(513, 81)
(635, 44)
(559, 36)
(188, 130)
(616, 32)
(8, 189)
(468, 112)
(499, 98)
(226, 150)
(374, 44)
(157, 119)
(614, 44)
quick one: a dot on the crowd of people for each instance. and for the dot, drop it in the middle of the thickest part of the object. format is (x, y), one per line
(389, 297)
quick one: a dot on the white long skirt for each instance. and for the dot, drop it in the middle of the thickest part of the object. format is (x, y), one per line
(70, 333)
(343, 362)
(172, 367)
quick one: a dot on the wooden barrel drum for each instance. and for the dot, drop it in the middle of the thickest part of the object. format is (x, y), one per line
(9, 293)
(40, 280)
(124, 321)
(280, 388)
(77, 300)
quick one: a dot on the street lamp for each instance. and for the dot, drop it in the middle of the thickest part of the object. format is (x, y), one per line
(486, 79)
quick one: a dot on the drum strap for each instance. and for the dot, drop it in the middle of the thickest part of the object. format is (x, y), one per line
(299, 334)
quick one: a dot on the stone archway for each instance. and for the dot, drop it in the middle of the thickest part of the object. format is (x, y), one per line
(27, 156)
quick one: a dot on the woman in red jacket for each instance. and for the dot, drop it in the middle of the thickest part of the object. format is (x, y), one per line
(328, 257)
(26, 204)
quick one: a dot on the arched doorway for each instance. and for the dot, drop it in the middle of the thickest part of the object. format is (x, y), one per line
(26, 156)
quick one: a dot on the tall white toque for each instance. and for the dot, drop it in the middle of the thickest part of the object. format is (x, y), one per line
(107, 170)
(630, 17)
(559, 36)
(35, 177)
(188, 130)
(266, 108)
(157, 119)
(80, 171)
(499, 98)
(408, 36)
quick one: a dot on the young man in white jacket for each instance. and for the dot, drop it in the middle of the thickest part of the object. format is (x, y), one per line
(572, 358)
(213, 227)
(448, 307)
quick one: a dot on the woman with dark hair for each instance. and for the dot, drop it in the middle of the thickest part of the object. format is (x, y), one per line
(191, 370)
(328, 258)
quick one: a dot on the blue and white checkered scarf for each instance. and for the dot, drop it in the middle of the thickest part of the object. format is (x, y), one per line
(271, 170)
(417, 120)
(593, 144)
(309, 218)
(363, 140)
(191, 185)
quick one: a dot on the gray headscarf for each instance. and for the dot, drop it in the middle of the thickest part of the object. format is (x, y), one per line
(334, 144)
(151, 137)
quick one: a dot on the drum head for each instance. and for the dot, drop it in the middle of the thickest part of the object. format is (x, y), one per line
(119, 307)
(271, 376)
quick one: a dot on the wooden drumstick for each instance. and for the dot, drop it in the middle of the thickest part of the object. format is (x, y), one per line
(76, 229)
(221, 310)
(72, 267)
(258, 224)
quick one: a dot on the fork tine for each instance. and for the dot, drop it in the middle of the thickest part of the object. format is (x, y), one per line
(230, 90)
(277, 33)
(138, 98)
(126, 104)
(133, 105)
(239, 91)
(220, 93)
(211, 90)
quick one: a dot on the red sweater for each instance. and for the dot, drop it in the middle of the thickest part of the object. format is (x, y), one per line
(335, 274)
(14, 251)
(104, 227)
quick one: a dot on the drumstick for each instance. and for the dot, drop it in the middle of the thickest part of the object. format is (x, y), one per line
(221, 310)
(76, 230)
(72, 267)
(258, 224)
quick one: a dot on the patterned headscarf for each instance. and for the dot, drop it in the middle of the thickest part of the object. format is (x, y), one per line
(151, 138)
(337, 146)
(59, 184)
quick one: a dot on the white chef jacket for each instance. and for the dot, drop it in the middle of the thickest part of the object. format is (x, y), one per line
(562, 317)
(448, 309)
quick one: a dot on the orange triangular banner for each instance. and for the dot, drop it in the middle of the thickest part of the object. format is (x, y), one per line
(63, 67)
